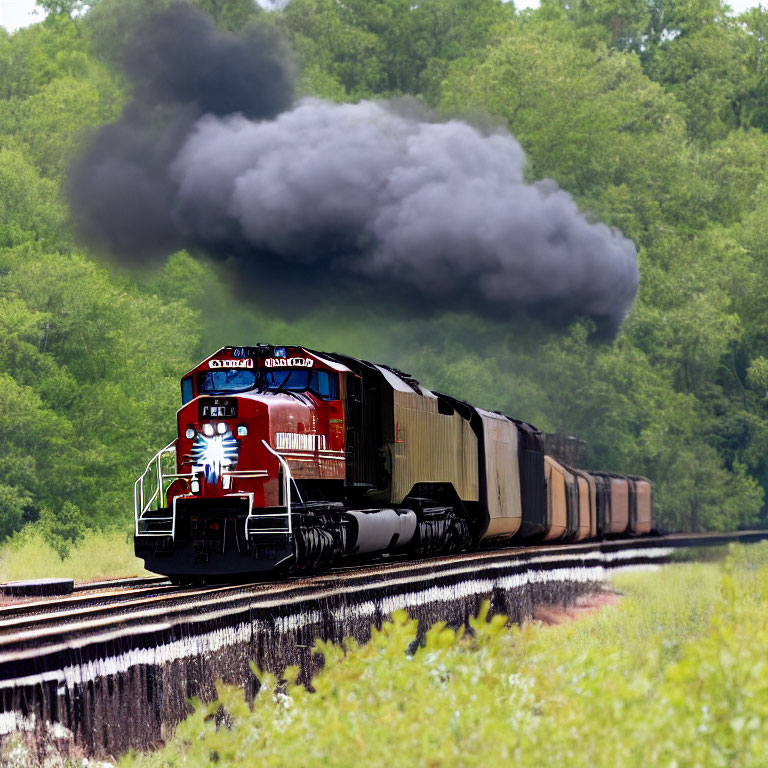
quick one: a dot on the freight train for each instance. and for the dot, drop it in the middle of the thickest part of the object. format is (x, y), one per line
(288, 459)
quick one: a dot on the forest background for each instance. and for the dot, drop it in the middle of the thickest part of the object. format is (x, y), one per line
(652, 113)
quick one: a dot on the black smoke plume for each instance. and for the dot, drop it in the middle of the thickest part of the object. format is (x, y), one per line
(213, 155)
(181, 69)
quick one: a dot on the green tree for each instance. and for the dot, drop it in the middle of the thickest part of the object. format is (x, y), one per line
(389, 46)
(30, 208)
(651, 115)
(706, 70)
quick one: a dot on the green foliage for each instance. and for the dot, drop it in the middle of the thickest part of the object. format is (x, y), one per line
(65, 7)
(63, 528)
(652, 115)
(387, 47)
(231, 15)
(94, 555)
(672, 675)
(94, 370)
(90, 362)
(29, 207)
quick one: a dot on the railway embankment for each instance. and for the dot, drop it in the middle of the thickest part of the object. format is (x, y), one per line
(113, 668)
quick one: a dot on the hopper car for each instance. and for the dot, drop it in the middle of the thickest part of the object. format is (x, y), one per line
(287, 459)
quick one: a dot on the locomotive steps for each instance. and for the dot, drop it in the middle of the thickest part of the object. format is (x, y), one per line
(116, 668)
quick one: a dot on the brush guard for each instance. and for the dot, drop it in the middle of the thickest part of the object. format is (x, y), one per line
(152, 518)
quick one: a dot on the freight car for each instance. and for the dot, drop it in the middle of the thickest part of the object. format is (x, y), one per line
(287, 458)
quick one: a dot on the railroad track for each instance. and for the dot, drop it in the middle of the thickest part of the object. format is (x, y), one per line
(34, 623)
(97, 597)
(77, 658)
(138, 581)
(104, 598)
(87, 596)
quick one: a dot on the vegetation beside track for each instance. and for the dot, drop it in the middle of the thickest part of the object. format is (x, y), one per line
(673, 674)
(34, 553)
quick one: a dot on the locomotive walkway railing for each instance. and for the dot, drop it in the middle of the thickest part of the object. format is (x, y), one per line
(154, 476)
(285, 516)
(149, 497)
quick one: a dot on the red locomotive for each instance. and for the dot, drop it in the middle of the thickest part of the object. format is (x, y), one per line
(290, 458)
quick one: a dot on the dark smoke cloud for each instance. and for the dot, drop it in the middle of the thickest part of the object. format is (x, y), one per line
(179, 57)
(181, 68)
(322, 191)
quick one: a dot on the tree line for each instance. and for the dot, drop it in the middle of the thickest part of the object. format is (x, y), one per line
(651, 113)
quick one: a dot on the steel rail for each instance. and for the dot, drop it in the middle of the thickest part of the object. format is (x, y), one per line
(36, 611)
(137, 581)
(31, 608)
(39, 608)
(84, 593)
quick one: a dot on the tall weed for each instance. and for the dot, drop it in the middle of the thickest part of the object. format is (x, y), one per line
(31, 554)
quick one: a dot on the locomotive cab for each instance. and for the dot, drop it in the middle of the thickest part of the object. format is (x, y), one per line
(255, 425)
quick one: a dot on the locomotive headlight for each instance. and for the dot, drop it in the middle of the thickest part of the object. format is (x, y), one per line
(190, 433)
(214, 455)
(194, 486)
(208, 430)
(221, 428)
(242, 430)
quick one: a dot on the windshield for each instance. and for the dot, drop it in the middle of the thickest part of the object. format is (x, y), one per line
(293, 381)
(323, 384)
(217, 382)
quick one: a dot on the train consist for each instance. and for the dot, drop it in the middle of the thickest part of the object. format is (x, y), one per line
(287, 458)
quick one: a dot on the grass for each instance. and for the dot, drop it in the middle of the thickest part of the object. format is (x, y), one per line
(675, 674)
(31, 554)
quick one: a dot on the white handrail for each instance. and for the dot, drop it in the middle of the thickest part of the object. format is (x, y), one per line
(141, 505)
(287, 479)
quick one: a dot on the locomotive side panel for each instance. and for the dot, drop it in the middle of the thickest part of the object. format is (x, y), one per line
(502, 475)
(367, 400)
(431, 447)
(302, 434)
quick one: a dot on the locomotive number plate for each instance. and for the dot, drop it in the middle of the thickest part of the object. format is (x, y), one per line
(218, 408)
